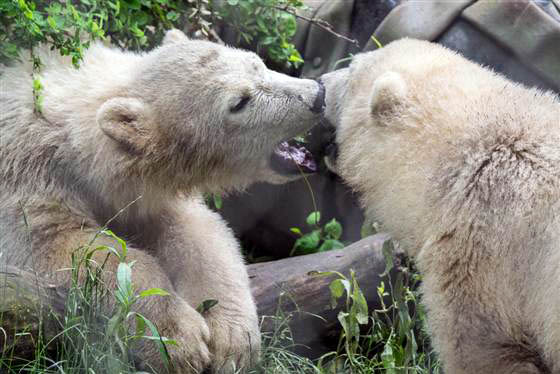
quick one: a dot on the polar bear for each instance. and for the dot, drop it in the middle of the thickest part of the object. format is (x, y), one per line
(462, 166)
(155, 129)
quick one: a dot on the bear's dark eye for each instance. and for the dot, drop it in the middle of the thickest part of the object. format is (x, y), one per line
(240, 104)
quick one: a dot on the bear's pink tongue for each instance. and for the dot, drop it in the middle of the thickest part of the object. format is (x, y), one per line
(292, 158)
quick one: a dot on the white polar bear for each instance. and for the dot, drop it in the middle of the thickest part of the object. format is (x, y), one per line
(187, 117)
(462, 166)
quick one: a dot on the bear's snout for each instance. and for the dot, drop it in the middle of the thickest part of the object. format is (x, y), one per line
(335, 87)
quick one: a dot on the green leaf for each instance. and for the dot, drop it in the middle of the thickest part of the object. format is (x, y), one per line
(140, 325)
(154, 292)
(337, 288)
(343, 319)
(289, 24)
(295, 230)
(133, 4)
(206, 305)
(173, 16)
(233, 2)
(218, 203)
(308, 243)
(121, 297)
(261, 24)
(359, 303)
(112, 324)
(315, 273)
(124, 279)
(411, 348)
(111, 234)
(10, 49)
(333, 229)
(142, 18)
(54, 9)
(136, 31)
(52, 23)
(37, 86)
(268, 40)
(387, 250)
(313, 218)
(367, 229)
(329, 245)
(159, 339)
(295, 57)
(388, 358)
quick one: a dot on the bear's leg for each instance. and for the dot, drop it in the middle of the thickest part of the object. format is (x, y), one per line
(204, 262)
(469, 341)
(55, 234)
(173, 316)
(495, 360)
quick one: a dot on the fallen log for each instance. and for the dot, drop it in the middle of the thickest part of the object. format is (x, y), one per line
(287, 286)
(29, 303)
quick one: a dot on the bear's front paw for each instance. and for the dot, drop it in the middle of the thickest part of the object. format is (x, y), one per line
(234, 341)
(190, 330)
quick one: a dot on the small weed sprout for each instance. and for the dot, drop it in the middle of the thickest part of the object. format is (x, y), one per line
(320, 238)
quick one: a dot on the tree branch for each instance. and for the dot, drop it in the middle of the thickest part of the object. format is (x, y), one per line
(319, 23)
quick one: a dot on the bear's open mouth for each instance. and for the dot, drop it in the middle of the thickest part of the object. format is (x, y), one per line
(291, 157)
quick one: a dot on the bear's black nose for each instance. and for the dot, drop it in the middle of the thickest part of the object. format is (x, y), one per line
(319, 103)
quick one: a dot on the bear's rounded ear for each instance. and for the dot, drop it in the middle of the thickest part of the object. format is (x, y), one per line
(126, 121)
(174, 36)
(389, 91)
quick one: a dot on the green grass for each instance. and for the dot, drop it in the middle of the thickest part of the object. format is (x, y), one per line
(94, 338)
(93, 335)
(390, 340)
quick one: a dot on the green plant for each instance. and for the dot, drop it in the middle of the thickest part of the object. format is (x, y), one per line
(126, 296)
(368, 228)
(213, 201)
(391, 344)
(392, 339)
(354, 314)
(320, 238)
(277, 356)
(269, 24)
(70, 26)
(95, 335)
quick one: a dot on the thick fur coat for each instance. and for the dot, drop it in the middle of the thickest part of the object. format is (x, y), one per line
(462, 166)
(156, 129)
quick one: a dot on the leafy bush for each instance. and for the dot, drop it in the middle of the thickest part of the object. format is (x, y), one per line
(70, 26)
(269, 23)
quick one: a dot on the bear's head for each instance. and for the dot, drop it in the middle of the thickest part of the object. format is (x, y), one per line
(417, 127)
(367, 104)
(199, 114)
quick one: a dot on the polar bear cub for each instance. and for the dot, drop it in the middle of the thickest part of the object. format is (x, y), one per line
(156, 129)
(462, 166)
